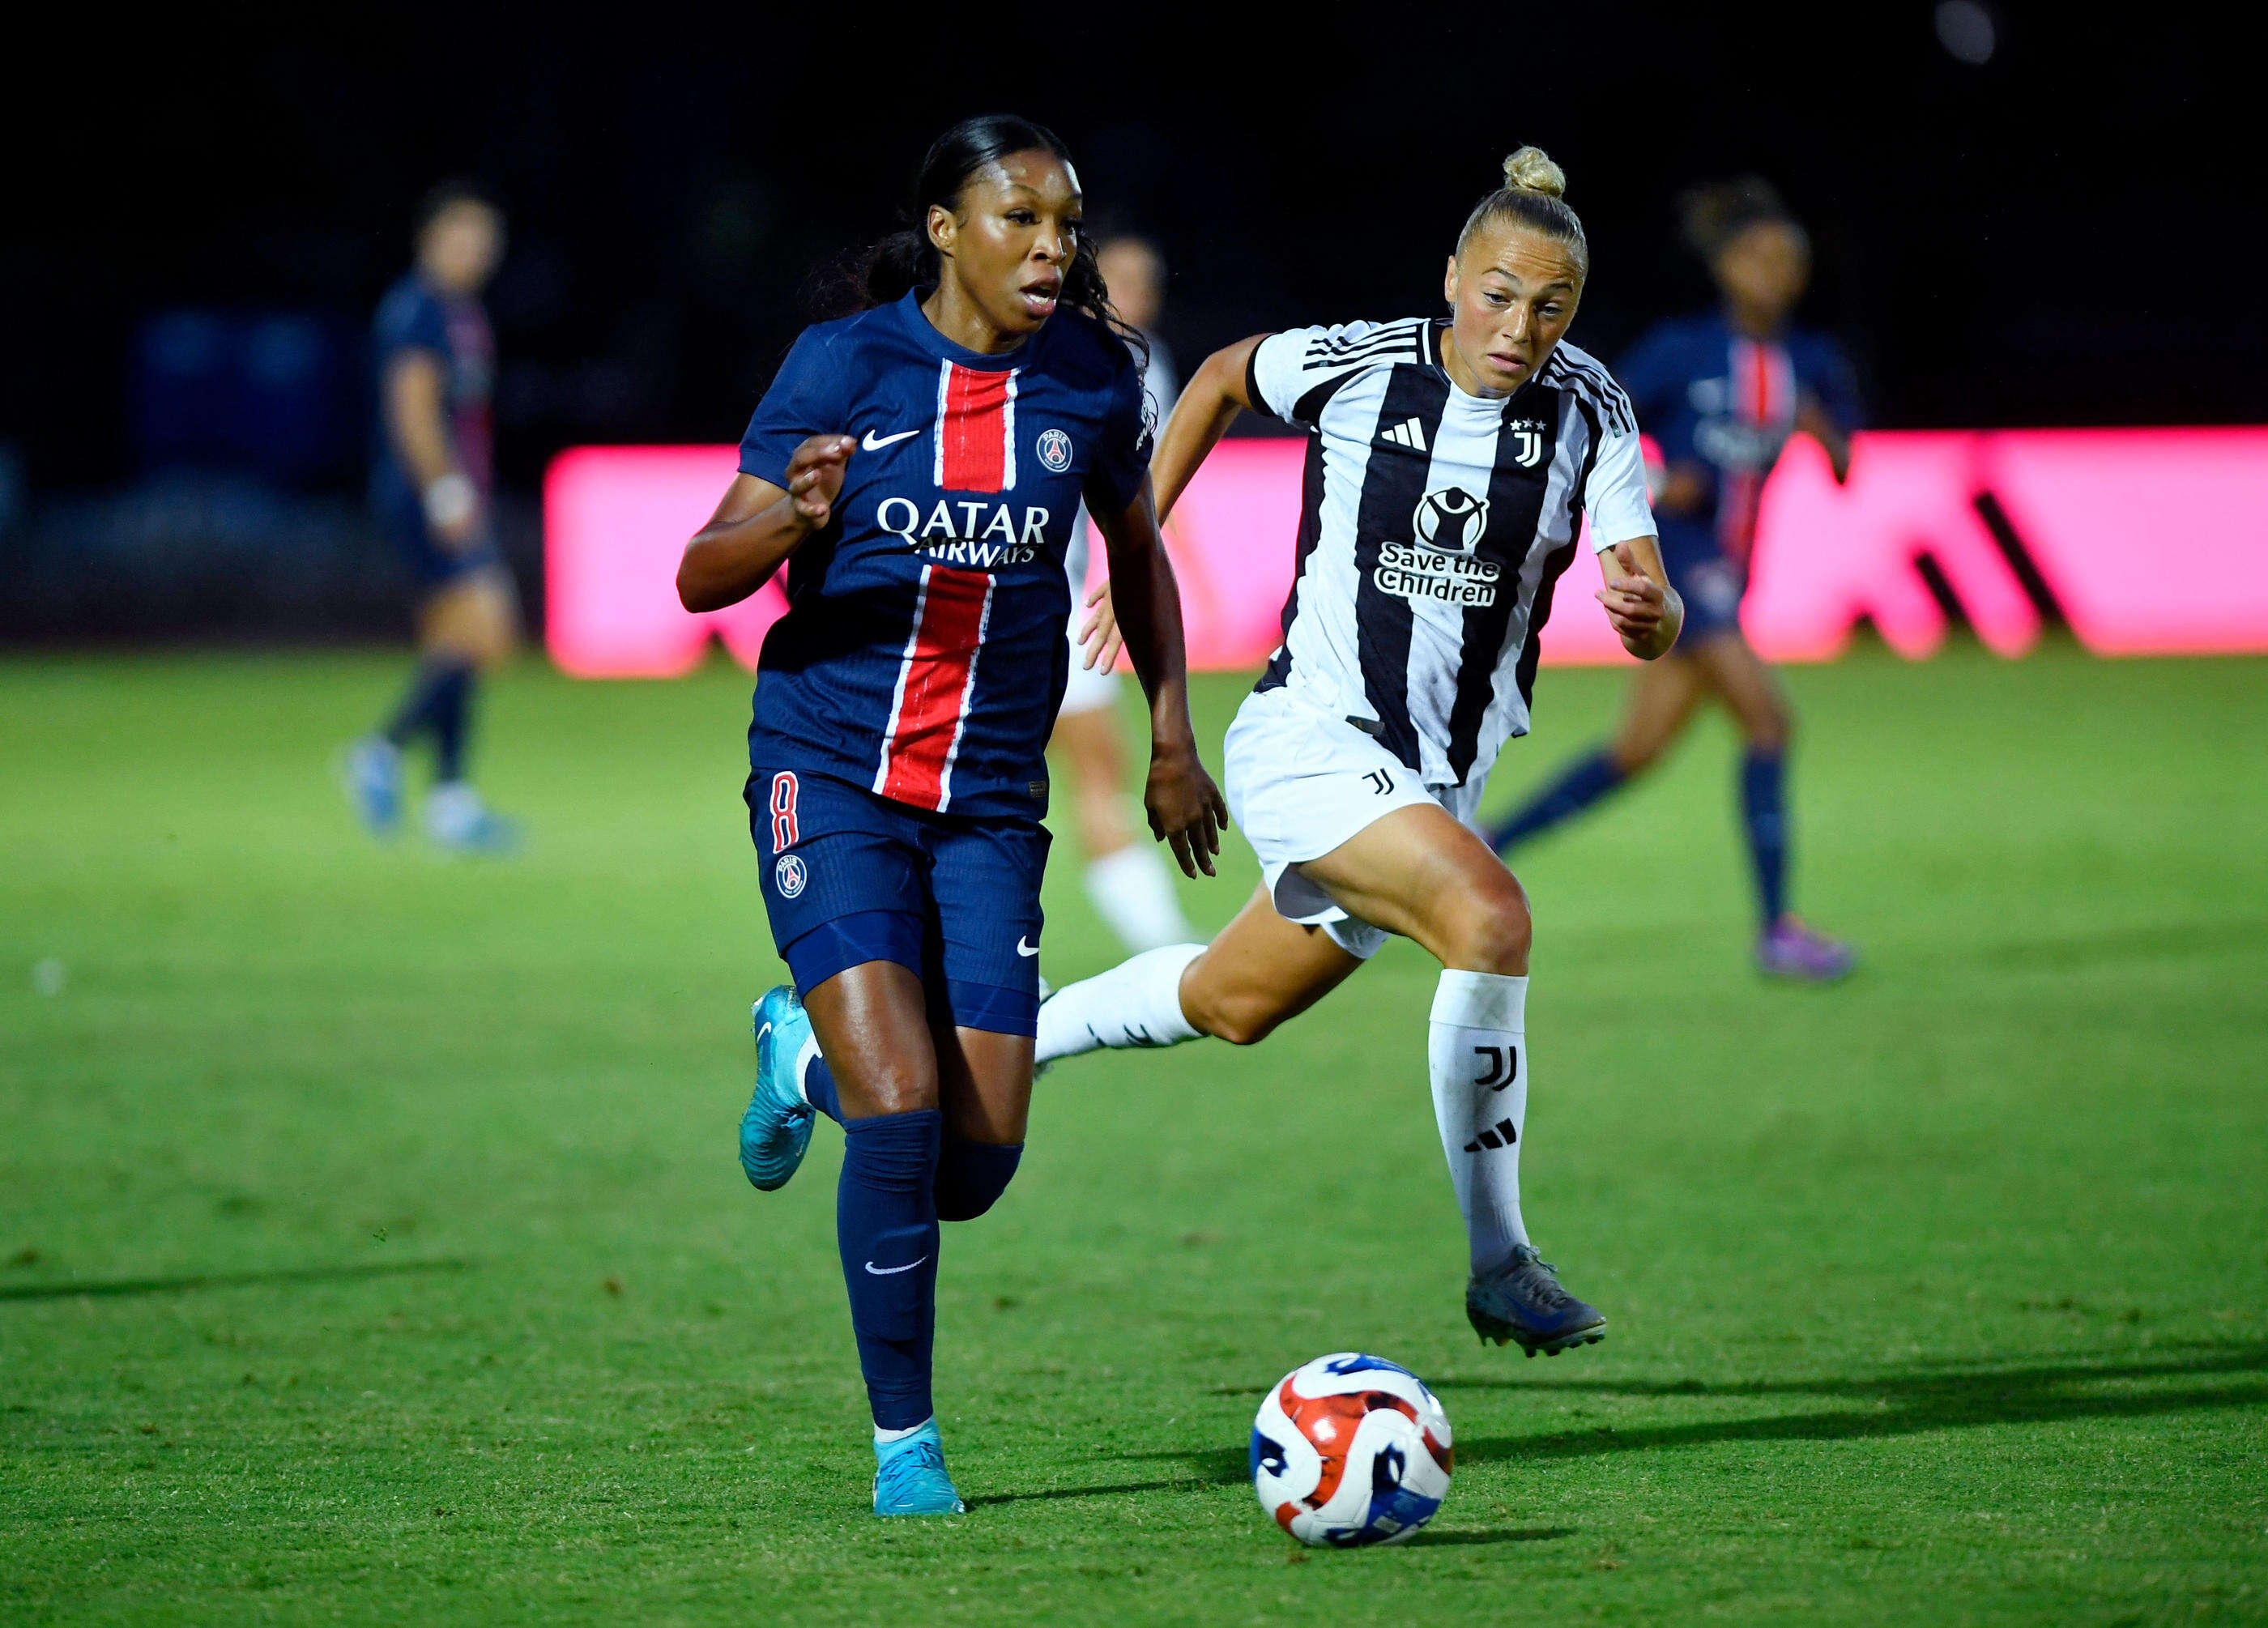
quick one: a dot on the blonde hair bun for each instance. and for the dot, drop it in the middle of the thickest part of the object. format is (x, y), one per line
(1531, 170)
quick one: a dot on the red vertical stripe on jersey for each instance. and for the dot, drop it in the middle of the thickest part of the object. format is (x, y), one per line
(935, 680)
(1760, 384)
(975, 419)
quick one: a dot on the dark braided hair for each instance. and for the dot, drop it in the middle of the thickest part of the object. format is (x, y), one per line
(1713, 216)
(888, 268)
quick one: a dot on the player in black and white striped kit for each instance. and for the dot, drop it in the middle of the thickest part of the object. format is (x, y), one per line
(1450, 465)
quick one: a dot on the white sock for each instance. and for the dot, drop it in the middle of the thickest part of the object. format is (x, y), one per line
(1137, 1003)
(1133, 893)
(803, 1063)
(883, 1438)
(1479, 1057)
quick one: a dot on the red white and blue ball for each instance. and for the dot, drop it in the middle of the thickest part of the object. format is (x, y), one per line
(1350, 1450)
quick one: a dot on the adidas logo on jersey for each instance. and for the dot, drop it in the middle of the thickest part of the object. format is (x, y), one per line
(1410, 433)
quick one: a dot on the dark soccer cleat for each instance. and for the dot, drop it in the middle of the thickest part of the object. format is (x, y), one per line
(776, 1129)
(1522, 1300)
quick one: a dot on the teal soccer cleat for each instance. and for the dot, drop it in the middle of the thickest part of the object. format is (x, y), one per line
(372, 773)
(910, 1477)
(776, 1129)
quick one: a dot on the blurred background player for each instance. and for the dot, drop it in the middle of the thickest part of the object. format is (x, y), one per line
(430, 482)
(1126, 877)
(1722, 393)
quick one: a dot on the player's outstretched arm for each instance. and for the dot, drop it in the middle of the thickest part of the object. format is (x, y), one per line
(758, 524)
(1644, 608)
(1207, 406)
(1186, 808)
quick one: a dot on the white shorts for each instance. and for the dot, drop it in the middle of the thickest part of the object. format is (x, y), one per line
(1086, 690)
(1300, 782)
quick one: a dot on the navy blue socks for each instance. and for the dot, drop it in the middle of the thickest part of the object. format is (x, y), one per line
(1585, 782)
(972, 1175)
(1763, 810)
(886, 1227)
(438, 702)
(818, 1089)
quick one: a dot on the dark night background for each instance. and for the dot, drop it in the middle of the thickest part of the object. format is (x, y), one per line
(2068, 232)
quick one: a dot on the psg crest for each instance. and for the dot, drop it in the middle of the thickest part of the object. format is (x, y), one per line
(788, 875)
(1451, 519)
(1055, 450)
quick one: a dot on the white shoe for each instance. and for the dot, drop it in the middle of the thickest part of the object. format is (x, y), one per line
(457, 818)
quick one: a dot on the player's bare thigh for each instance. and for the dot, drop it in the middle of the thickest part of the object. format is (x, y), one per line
(873, 1024)
(1662, 696)
(1259, 972)
(1089, 742)
(475, 617)
(1418, 872)
(984, 1084)
(1750, 690)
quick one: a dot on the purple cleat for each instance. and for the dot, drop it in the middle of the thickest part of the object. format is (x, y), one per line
(1788, 950)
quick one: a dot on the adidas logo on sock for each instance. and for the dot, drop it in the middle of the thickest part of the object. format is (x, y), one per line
(1410, 433)
(1502, 1136)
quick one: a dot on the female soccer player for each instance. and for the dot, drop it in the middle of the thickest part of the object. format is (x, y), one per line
(1450, 463)
(917, 466)
(435, 362)
(1723, 393)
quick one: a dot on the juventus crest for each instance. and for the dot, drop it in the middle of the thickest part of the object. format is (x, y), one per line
(1527, 441)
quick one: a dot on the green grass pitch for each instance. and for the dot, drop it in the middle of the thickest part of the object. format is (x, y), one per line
(372, 1248)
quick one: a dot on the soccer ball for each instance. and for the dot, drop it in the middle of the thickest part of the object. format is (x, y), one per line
(1350, 1450)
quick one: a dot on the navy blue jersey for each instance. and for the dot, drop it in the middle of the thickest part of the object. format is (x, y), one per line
(922, 656)
(1718, 399)
(415, 316)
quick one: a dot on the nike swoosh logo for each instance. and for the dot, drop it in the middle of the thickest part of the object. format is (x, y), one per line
(874, 443)
(1021, 950)
(891, 1271)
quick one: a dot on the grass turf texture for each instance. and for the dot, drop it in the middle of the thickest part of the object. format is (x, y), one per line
(372, 1248)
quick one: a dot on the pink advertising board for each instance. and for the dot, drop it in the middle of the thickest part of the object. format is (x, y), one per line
(2150, 541)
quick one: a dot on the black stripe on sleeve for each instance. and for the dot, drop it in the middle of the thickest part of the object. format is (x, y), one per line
(1252, 390)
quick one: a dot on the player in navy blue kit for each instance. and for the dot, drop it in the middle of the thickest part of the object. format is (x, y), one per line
(917, 467)
(1722, 393)
(429, 484)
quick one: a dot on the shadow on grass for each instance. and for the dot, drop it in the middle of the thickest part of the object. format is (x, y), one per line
(1431, 1539)
(1183, 1484)
(118, 1286)
(1899, 1403)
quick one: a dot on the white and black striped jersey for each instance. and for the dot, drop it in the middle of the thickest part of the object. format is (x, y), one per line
(1433, 526)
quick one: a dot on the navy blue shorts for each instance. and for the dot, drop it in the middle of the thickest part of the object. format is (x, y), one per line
(1710, 583)
(850, 877)
(431, 562)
